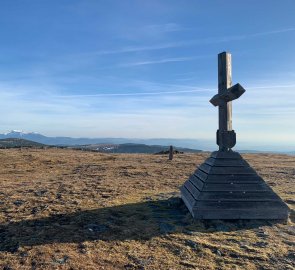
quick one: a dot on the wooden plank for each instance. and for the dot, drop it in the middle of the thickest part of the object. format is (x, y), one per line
(187, 198)
(231, 178)
(226, 170)
(241, 205)
(226, 162)
(205, 168)
(266, 214)
(232, 170)
(194, 191)
(238, 196)
(196, 181)
(237, 186)
(202, 175)
(225, 155)
(188, 195)
(231, 94)
(275, 209)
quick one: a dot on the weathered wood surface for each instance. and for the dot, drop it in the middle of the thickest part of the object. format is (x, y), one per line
(226, 162)
(253, 213)
(237, 196)
(231, 94)
(234, 186)
(225, 136)
(226, 155)
(192, 189)
(224, 82)
(230, 192)
(226, 169)
(227, 178)
(243, 178)
(196, 181)
(187, 197)
(200, 174)
(239, 205)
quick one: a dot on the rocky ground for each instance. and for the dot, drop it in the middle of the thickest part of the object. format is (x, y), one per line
(66, 209)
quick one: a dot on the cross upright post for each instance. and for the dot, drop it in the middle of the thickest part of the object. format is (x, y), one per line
(225, 137)
(224, 82)
(225, 110)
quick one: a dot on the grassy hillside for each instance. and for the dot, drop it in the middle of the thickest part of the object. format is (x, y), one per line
(65, 209)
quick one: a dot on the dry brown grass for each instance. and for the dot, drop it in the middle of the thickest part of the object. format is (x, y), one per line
(66, 209)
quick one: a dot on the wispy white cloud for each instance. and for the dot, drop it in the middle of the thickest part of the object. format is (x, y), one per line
(144, 88)
(249, 36)
(134, 94)
(272, 86)
(180, 112)
(86, 116)
(201, 41)
(182, 89)
(160, 61)
(132, 49)
(163, 61)
(279, 31)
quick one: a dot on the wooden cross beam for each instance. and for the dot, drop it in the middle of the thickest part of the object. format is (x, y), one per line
(231, 94)
(226, 137)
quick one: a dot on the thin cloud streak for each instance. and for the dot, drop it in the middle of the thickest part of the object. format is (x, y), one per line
(161, 61)
(141, 48)
(134, 94)
(166, 60)
(199, 89)
(212, 40)
(272, 86)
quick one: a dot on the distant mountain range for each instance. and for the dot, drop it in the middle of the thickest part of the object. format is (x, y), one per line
(68, 141)
(192, 144)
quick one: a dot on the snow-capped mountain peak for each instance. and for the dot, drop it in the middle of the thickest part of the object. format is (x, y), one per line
(19, 132)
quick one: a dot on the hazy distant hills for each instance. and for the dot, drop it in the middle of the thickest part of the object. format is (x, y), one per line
(132, 148)
(184, 143)
(15, 143)
(15, 139)
(104, 148)
(32, 136)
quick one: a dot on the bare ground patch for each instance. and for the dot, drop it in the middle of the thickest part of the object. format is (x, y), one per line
(65, 209)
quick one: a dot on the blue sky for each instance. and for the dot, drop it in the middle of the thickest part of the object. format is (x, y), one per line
(146, 69)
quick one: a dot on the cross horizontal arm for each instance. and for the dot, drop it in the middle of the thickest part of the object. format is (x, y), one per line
(232, 93)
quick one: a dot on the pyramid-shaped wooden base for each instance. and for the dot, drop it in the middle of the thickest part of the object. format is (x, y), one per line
(226, 187)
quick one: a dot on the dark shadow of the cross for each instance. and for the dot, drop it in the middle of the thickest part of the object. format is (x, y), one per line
(137, 221)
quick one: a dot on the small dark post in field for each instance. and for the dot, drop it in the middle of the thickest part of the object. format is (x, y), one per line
(225, 186)
(170, 152)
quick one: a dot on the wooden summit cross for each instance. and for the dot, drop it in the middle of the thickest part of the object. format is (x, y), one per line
(225, 186)
(225, 137)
